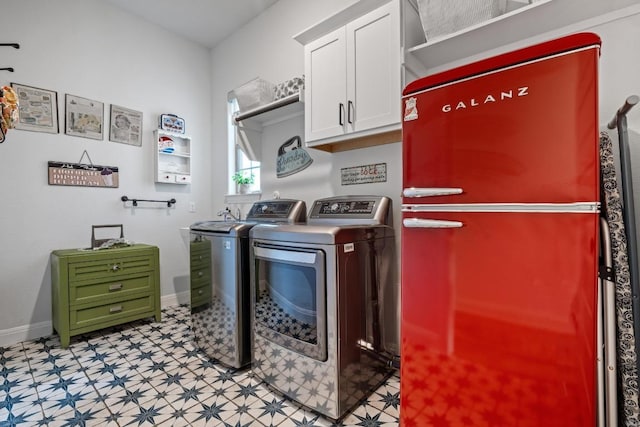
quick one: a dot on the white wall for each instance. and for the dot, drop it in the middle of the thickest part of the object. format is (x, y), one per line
(90, 49)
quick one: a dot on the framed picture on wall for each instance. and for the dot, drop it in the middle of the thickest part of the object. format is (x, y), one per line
(83, 117)
(125, 126)
(38, 109)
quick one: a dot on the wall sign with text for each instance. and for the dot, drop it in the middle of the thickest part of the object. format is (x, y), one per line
(364, 174)
(83, 175)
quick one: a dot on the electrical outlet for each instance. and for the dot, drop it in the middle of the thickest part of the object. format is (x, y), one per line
(192, 206)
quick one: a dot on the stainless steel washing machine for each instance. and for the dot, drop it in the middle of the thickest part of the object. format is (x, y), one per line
(325, 303)
(219, 270)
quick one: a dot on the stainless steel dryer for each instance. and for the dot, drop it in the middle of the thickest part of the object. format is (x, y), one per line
(219, 270)
(325, 303)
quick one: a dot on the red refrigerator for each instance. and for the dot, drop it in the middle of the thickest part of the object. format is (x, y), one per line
(499, 240)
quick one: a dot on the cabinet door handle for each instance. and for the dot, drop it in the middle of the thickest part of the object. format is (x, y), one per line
(200, 273)
(115, 309)
(349, 110)
(115, 267)
(200, 292)
(200, 257)
(341, 114)
(115, 287)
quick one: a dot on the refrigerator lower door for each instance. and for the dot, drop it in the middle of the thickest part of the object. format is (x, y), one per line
(499, 319)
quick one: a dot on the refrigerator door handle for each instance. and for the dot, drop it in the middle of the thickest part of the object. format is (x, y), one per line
(430, 223)
(430, 192)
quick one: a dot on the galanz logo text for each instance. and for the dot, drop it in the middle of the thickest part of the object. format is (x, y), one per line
(487, 99)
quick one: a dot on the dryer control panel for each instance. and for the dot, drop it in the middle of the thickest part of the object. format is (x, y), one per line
(351, 210)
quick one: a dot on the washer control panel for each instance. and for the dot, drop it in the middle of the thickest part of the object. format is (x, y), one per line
(279, 210)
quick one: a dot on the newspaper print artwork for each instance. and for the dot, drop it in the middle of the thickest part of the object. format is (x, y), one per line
(125, 126)
(37, 109)
(84, 117)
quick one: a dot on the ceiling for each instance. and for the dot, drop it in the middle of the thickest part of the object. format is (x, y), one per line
(206, 22)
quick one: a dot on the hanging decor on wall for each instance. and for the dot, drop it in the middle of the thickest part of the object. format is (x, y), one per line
(8, 111)
(83, 117)
(364, 174)
(125, 126)
(292, 158)
(38, 110)
(83, 174)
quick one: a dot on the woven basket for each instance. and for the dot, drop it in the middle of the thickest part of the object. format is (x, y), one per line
(442, 17)
(253, 94)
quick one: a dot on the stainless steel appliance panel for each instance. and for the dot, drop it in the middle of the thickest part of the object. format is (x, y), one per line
(219, 319)
(333, 384)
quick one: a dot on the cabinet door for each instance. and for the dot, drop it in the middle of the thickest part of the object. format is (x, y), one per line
(325, 106)
(373, 69)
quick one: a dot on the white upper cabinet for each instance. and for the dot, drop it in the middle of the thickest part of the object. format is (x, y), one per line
(353, 77)
(373, 70)
(325, 65)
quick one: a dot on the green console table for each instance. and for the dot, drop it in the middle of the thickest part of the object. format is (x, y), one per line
(96, 289)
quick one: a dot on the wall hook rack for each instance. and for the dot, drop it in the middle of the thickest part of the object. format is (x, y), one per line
(13, 45)
(134, 202)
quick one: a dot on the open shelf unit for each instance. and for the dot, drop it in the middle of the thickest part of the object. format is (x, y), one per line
(172, 157)
(532, 20)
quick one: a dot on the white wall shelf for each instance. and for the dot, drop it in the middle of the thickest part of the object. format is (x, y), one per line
(537, 18)
(274, 112)
(172, 167)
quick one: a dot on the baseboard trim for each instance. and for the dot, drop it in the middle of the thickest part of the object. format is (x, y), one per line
(25, 333)
(33, 331)
(175, 299)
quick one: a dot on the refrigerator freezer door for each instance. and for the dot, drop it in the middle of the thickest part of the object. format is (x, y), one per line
(498, 320)
(524, 133)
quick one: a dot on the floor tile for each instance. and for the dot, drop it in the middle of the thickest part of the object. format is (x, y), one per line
(151, 373)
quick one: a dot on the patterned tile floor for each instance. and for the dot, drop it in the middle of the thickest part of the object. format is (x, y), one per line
(146, 373)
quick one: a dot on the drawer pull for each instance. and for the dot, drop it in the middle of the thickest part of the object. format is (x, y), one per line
(115, 309)
(200, 273)
(200, 257)
(115, 267)
(115, 287)
(200, 292)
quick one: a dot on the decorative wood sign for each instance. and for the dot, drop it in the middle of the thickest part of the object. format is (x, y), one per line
(364, 174)
(83, 175)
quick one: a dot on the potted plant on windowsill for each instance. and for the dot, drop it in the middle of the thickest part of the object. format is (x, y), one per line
(242, 182)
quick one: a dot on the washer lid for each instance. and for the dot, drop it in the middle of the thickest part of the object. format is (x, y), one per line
(227, 227)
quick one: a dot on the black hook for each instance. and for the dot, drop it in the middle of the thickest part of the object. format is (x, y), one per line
(13, 45)
(9, 69)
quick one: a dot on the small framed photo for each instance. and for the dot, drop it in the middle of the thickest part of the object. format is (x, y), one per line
(125, 126)
(84, 117)
(38, 109)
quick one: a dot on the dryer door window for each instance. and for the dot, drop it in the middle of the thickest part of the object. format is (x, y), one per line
(290, 307)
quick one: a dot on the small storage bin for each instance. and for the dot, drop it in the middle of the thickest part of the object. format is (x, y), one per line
(441, 17)
(289, 87)
(253, 94)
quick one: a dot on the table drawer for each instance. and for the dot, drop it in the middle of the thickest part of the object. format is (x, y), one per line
(200, 259)
(97, 292)
(200, 276)
(109, 313)
(200, 295)
(112, 267)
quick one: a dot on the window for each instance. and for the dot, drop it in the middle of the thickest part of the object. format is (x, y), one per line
(238, 160)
